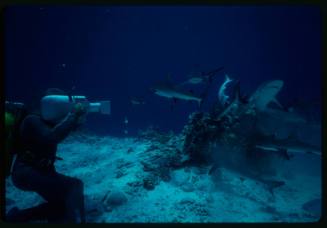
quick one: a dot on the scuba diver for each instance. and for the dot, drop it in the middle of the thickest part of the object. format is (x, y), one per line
(34, 170)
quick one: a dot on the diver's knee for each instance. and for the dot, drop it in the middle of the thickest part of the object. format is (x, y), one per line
(77, 184)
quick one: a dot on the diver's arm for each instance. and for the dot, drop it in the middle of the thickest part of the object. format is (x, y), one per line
(62, 129)
(47, 135)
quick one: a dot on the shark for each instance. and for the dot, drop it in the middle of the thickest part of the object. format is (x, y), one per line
(265, 94)
(286, 145)
(171, 91)
(223, 98)
(235, 104)
(202, 77)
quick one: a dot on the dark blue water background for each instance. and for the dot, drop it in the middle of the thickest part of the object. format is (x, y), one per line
(118, 52)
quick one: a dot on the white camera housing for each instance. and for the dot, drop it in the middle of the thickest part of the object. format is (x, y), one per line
(56, 107)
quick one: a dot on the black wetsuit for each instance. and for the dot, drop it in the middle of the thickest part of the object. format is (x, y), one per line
(34, 171)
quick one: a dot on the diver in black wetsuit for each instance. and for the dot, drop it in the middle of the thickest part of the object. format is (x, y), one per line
(34, 170)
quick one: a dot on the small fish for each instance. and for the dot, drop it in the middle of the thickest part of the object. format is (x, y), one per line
(195, 79)
(126, 120)
(202, 77)
(137, 101)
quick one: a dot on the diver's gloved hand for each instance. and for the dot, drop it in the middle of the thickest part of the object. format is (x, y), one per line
(79, 110)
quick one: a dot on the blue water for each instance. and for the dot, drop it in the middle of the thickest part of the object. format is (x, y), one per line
(117, 52)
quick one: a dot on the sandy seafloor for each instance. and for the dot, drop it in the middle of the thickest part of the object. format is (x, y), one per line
(107, 164)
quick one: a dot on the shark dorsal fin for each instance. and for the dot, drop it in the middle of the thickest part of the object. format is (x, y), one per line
(227, 78)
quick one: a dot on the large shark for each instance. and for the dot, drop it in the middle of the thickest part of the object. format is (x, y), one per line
(265, 94)
(267, 115)
(169, 90)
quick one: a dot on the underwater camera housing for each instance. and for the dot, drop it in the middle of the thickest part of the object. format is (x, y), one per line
(56, 107)
(102, 107)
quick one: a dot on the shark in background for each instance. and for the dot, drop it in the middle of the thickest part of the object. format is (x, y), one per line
(168, 90)
(290, 144)
(202, 77)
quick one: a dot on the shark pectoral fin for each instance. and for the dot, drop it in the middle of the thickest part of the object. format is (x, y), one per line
(277, 102)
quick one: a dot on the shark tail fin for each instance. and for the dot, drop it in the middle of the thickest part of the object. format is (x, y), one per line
(227, 78)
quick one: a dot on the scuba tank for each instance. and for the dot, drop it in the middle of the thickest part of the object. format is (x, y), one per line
(14, 115)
